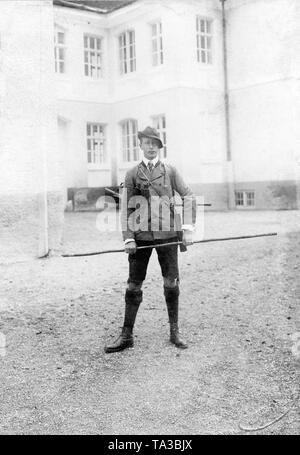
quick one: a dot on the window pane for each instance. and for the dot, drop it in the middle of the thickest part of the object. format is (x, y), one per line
(131, 52)
(92, 43)
(239, 198)
(208, 42)
(250, 198)
(208, 26)
(154, 29)
(203, 59)
(61, 67)
(85, 41)
(60, 37)
(202, 26)
(202, 42)
(98, 43)
(61, 53)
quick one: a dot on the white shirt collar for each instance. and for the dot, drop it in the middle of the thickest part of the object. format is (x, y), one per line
(146, 161)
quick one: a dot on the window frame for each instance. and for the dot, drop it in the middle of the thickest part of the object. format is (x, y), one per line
(87, 51)
(57, 48)
(96, 164)
(162, 130)
(204, 36)
(244, 196)
(158, 40)
(127, 52)
(130, 138)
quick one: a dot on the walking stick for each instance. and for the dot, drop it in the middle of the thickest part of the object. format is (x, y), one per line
(222, 239)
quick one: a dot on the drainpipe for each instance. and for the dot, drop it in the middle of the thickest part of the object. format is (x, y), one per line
(229, 164)
(43, 241)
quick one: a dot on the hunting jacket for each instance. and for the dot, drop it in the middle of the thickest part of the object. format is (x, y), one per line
(153, 216)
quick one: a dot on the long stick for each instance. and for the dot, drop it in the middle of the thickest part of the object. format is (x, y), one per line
(171, 243)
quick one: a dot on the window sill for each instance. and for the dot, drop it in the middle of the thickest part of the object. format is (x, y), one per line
(94, 80)
(206, 66)
(92, 168)
(127, 76)
(62, 76)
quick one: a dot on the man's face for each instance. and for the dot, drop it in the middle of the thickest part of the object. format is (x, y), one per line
(150, 147)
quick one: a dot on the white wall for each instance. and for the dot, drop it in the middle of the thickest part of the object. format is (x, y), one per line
(262, 43)
(31, 169)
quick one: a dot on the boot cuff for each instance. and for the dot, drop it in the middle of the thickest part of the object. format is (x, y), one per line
(171, 293)
(134, 297)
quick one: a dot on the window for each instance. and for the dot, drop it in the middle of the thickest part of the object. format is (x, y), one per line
(159, 123)
(204, 40)
(157, 44)
(96, 143)
(60, 50)
(244, 198)
(93, 66)
(130, 141)
(127, 52)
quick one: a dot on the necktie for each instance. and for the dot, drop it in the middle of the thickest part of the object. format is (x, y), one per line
(150, 166)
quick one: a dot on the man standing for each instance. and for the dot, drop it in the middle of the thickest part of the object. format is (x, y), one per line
(149, 218)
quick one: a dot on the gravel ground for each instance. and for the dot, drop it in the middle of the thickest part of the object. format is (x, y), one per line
(239, 312)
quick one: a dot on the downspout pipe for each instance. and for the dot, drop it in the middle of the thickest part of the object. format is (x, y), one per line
(230, 179)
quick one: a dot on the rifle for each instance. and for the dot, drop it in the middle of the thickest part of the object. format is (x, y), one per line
(177, 205)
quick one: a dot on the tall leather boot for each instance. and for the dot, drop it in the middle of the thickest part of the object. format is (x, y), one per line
(125, 340)
(171, 295)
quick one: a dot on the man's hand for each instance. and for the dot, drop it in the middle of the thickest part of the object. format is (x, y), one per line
(187, 237)
(130, 247)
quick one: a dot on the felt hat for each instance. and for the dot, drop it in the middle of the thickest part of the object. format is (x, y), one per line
(150, 133)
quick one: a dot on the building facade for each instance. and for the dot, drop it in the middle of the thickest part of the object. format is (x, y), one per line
(162, 63)
(218, 79)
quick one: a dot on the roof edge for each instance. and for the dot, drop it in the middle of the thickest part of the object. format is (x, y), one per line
(80, 5)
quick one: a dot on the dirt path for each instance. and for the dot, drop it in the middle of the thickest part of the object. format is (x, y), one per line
(239, 309)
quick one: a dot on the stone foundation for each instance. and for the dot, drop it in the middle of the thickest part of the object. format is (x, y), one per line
(283, 195)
